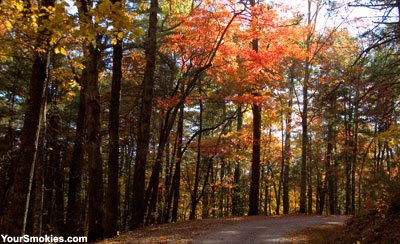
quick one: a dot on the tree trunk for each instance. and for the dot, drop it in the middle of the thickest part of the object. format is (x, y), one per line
(304, 144)
(309, 187)
(304, 124)
(329, 156)
(139, 205)
(354, 159)
(266, 198)
(221, 189)
(17, 200)
(287, 150)
(278, 196)
(237, 208)
(112, 202)
(74, 226)
(176, 180)
(38, 184)
(193, 201)
(347, 162)
(167, 185)
(255, 161)
(255, 164)
(169, 180)
(95, 162)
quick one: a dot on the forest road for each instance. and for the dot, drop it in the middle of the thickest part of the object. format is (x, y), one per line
(271, 230)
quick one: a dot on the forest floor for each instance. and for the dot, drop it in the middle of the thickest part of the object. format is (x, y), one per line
(254, 229)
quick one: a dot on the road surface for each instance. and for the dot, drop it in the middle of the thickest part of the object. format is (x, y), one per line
(271, 230)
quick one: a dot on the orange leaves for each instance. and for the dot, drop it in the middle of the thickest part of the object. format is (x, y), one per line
(249, 98)
(198, 34)
(165, 104)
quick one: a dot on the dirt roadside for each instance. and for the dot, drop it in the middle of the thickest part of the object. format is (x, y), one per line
(254, 229)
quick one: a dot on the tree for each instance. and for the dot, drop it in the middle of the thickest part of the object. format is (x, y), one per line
(255, 162)
(17, 201)
(112, 203)
(139, 207)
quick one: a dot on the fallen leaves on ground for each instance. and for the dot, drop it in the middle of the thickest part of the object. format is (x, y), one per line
(181, 232)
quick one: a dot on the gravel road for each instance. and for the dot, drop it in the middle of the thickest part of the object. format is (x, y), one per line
(271, 230)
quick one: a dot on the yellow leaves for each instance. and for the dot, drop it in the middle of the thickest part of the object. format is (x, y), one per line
(136, 32)
(60, 50)
(77, 65)
(8, 25)
(19, 6)
(73, 84)
(117, 36)
(104, 8)
(143, 6)
(120, 35)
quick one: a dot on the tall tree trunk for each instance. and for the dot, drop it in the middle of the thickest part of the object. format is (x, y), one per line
(335, 183)
(167, 183)
(309, 187)
(176, 180)
(347, 157)
(266, 197)
(278, 196)
(329, 151)
(304, 122)
(198, 161)
(221, 189)
(17, 200)
(95, 162)
(255, 161)
(56, 163)
(153, 188)
(255, 165)
(38, 184)
(237, 208)
(304, 144)
(329, 178)
(169, 180)
(287, 153)
(354, 157)
(205, 202)
(74, 226)
(139, 205)
(112, 202)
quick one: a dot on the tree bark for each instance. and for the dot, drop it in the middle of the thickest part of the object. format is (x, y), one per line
(74, 226)
(255, 164)
(95, 162)
(287, 150)
(139, 205)
(329, 156)
(56, 163)
(304, 144)
(198, 161)
(112, 202)
(38, 183)
(237, 209)
(304, 124)
(255, 161)
(176, 180)
(17, 200)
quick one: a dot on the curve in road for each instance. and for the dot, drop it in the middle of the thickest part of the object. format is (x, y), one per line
(271, 230)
